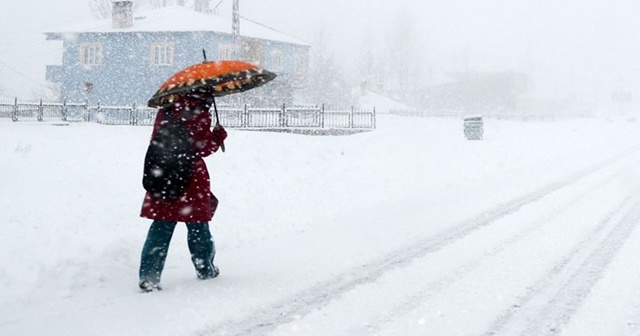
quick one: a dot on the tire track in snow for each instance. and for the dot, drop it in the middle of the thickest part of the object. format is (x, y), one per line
(414, 301)
(632, 326)
(564, 288)
(262, 321)
(565, 304)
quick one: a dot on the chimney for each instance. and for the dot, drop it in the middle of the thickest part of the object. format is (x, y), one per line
(122, 14)
(202, 6)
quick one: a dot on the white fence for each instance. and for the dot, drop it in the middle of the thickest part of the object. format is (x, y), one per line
(521, 114)
(238, 117)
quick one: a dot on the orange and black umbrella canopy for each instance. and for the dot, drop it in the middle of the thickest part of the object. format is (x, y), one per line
(211, 79)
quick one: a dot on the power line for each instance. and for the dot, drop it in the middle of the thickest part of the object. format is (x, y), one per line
(217, 5)
(20, 73)
(14, 57)
(34, 29)
(271, 28)
(24, 51)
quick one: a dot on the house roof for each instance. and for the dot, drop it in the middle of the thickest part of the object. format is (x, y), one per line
(182, 19)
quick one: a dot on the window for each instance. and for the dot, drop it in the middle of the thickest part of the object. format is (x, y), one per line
(299, 71)
(162, 53)
(300, 65)
(90, 54)
(225, 52)
(276, 61)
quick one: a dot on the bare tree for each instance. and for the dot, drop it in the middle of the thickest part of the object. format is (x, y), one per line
(49, 91)
(327, 85)
(372, 67)
(160, 3)
(404, 65)
(101, 9)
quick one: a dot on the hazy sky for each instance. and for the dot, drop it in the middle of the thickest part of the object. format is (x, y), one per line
(586, 47)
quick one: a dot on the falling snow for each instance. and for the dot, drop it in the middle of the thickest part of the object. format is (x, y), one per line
(404, 230)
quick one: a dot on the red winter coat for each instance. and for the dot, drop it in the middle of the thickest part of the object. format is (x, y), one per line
(195, 205)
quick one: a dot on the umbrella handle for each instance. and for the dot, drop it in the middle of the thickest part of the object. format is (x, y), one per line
(222, 148)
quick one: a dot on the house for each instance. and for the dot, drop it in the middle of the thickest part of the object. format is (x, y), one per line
(124, 59)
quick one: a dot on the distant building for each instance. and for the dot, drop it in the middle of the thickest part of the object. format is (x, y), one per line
(125, 59)
(478, 92)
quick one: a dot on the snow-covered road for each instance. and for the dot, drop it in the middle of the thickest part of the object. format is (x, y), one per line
(408, 230)
(522, 267)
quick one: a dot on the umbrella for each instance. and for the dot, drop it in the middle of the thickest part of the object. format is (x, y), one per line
(211, 79)
(208, 80)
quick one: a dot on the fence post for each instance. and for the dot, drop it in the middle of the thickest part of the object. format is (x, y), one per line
(322, 116)
(351, 118)
(133, 115)
(14, 113)
(283, 116)
(97, 113)
(373, 117)
(86, 110)
(40, 111)
(245, 116)
(64, 110)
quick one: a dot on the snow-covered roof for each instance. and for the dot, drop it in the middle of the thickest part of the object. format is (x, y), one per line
(382, 104)
(182, 19)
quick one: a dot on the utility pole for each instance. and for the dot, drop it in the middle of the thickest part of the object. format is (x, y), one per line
(235, 24)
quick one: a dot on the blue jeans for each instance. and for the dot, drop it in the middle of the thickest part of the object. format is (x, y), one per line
(156, 247)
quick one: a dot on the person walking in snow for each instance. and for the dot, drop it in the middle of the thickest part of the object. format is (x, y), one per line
(195, 207)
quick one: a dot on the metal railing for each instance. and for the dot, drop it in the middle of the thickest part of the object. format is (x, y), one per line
(235, 117)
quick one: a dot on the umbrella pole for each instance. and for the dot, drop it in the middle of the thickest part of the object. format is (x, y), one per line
(215, 110)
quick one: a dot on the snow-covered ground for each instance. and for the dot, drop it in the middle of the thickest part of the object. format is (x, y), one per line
(406, 230)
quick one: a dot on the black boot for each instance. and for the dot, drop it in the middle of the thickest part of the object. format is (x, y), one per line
(148, 286)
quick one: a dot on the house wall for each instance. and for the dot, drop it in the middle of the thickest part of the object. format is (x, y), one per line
(126, 75)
